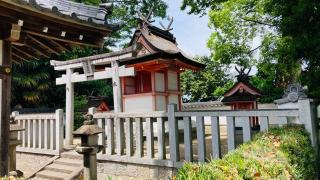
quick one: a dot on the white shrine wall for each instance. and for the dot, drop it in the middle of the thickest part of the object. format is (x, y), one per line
(172, 81)
(141, 103)
(161, 103)
(160, 82)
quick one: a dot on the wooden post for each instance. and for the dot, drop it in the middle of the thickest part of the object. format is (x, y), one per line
(69, 108)
(5, 97)
(117, 96)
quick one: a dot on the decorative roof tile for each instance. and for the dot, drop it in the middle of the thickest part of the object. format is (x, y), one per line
(95, 15)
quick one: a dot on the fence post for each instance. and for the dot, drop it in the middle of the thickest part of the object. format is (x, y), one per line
(173, 133)
(59, 130)
(15, 114)
(92, 110)
(307, 115)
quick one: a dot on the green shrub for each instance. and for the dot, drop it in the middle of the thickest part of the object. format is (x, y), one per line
(79, 103)
(280, 153)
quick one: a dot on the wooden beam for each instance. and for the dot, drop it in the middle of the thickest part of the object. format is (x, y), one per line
(36, 25)
(60, 46)
(14, 33)
(25, 52)
(10, 32)
(56, 37)
(43, 45)
(37, 51)
(19, 57)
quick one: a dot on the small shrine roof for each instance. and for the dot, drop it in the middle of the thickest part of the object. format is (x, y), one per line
(241, 91)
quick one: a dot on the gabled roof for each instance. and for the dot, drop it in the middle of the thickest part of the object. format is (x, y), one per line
(241, 91)
(160, 44)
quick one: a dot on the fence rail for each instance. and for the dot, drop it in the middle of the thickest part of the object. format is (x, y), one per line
(172, 138)
(43, 133)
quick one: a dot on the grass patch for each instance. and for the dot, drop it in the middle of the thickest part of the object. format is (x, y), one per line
(280, 153)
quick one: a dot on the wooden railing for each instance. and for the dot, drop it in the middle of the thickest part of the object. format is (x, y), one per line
(43, 133)
(154, 138)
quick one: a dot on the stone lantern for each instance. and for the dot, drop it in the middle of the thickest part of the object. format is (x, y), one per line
(89, 147)
(13, 143)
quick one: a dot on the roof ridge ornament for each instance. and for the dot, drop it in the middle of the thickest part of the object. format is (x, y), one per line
(168, 28)
(243, 76)
(146, 19)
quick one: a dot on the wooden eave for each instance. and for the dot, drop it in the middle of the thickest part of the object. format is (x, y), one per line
(245, 86)
(30, 40)
(20, 6)
(174, 59)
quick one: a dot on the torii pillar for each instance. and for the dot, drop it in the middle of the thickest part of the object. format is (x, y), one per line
(69, 108)
(5, 97)
(114, 73)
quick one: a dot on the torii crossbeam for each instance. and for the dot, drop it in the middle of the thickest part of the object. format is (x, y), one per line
(88, 65)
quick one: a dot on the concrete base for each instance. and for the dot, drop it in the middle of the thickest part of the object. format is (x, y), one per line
(124, 171)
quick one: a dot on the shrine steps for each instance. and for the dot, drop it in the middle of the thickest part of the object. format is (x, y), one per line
(67, 167)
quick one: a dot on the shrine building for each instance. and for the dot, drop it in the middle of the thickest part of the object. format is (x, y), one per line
(158, 65)
(243, 95)
(146, 75)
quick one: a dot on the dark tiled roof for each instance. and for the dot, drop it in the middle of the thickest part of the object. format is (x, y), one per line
(95, 15)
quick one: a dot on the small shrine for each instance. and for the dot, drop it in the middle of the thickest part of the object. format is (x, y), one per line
(158, 65)
(243, 95)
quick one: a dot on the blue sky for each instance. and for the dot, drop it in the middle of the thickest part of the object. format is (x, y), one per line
(192, 32)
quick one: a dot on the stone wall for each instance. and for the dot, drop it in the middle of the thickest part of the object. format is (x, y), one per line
(124, 171)
(29, 163)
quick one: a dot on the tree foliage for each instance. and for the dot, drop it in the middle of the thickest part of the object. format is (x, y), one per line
(127, 12)
(207, 84)
(287, 32)
(30, 81)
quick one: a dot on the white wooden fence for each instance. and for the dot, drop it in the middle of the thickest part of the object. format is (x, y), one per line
(43, 133)
(124, 133)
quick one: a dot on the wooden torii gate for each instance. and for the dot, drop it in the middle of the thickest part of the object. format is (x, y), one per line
(88, 65)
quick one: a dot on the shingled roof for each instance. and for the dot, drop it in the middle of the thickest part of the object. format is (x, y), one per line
(147, 44)
(160, 44)
(94, 15)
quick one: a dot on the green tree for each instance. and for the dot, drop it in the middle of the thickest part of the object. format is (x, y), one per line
(127, 11)
(289, 33)
(207, 84)
(30, 81)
